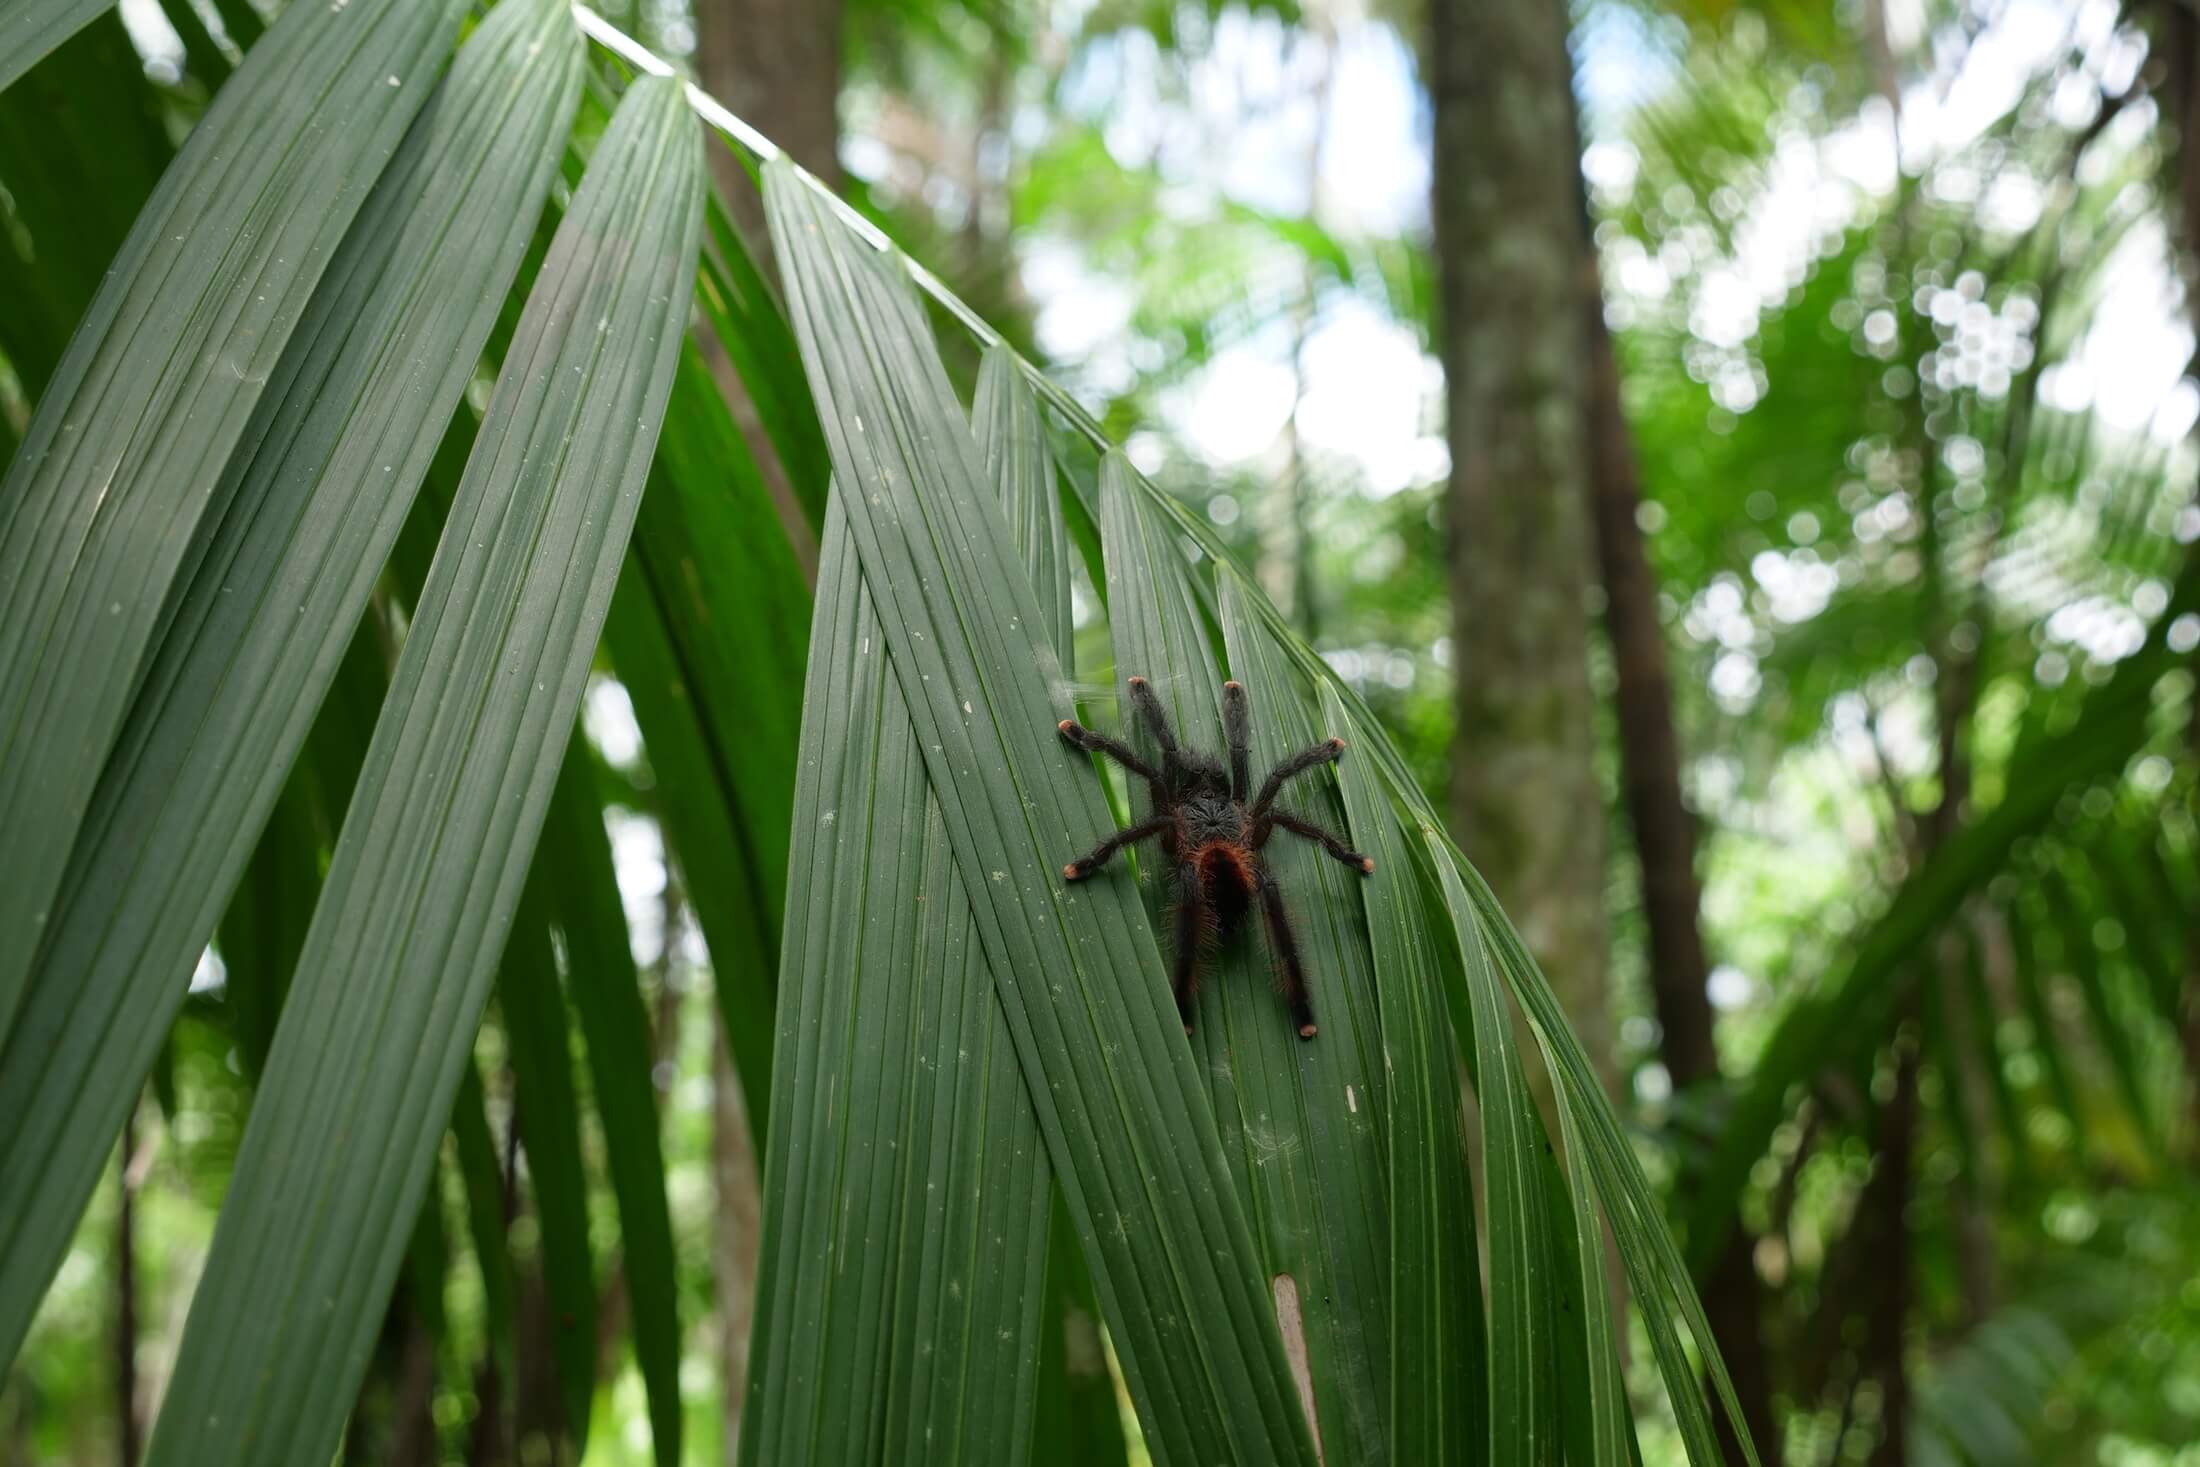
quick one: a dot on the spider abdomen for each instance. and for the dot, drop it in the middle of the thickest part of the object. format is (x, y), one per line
(1227, 881)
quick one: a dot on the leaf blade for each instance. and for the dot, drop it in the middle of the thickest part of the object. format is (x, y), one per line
(1154, 1211)
(546, 1115)
(263, 627)
(107, 501)
(1522, 1363)
(406, 938)
(31, 28)
(1009, 430)
(1439, 1387)
(710, 661)
(1306, 1156)
(895, 1068)
(604, 989)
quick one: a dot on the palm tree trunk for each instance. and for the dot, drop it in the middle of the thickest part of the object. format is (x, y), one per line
(1649, 747)
(776, 63)
(1526, 801)
(1665, 836)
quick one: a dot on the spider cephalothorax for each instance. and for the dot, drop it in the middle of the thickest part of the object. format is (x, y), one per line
(1213, 827)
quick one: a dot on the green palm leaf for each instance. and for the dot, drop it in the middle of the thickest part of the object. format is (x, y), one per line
(481, 1177)
(864, 344)
(1280, 1237)
(1523, 1394)
(31, 28)
(84, 148)
(711, 660)
(575, 891)
(1307, 1159)
(179, 347)
(906, 1190)
(1121, 1106)
(343, 441)
(427, 874)
(1439, 1394)
(1655, 1270)
(546, 1113)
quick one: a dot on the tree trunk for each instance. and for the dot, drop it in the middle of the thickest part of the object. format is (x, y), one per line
(734, 1169)
(1527, 806)
(1665, 838)
(1665, 844)
(776, 63)
(1649, 747)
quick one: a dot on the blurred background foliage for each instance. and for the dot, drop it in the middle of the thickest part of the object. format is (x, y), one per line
(1898, 294)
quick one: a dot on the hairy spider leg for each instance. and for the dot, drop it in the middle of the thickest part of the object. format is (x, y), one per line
(1097, 857)
(1290, 973)
(1276, 820)
(1237, 726)
(1120, 752)
(1323, 753)
(1157, 720)
(1191, 931)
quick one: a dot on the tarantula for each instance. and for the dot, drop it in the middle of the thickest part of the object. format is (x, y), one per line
(1212, 839)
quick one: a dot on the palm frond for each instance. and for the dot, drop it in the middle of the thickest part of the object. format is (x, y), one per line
(426, 876)
(983, 1121)
(380, 356)
(31, 28)
(100, 525)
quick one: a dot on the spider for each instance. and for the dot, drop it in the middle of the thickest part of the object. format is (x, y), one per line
(1212, 838)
